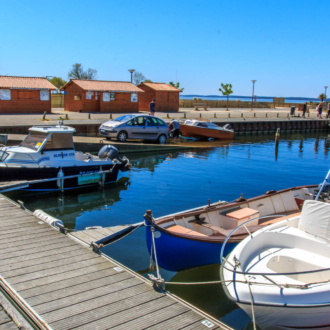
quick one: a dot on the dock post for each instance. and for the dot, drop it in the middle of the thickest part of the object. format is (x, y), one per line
(184, 115)
(242, 114)
(266, 114)
(200, 115)
(254, 115)
(110, 115)
(277, 139)
(215, 115)
(168, 116)
(228, 114)
(277, 115)
(44, 116)
(89, 116)
(66, 116)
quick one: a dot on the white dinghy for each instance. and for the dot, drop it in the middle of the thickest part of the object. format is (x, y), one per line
(280, 275)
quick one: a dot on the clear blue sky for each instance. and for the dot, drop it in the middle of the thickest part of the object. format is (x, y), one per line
(283, 44)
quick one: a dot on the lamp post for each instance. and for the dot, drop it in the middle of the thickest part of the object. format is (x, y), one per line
(253, 81)
(131, 71)
(325, 92)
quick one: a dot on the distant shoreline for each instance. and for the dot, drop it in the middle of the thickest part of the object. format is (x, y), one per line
(249, 97)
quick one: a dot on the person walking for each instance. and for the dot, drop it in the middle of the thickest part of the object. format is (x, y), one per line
(304, 109)
(319, 109)
(152, 106)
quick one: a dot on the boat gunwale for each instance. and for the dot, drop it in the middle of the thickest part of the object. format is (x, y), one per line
(198, 211)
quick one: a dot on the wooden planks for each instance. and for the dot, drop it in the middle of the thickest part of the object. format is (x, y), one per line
(69, 286)
(6, 322)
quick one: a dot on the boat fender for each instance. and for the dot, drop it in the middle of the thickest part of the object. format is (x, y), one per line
(48, 219)
(60, 174)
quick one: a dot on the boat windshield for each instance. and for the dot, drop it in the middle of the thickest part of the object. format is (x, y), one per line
(33, 141)
(124, 118)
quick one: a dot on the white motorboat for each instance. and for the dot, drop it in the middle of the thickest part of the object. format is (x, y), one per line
(48, 152)
(280, 275)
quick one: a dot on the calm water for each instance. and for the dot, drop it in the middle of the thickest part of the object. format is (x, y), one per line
(172, 182)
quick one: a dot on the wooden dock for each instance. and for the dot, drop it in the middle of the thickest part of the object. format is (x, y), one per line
(68, 286)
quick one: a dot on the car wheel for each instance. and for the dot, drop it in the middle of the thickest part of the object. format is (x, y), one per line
(162, 139)
(122, 136)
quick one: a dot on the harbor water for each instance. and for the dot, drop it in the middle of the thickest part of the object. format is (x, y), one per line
(172, 182)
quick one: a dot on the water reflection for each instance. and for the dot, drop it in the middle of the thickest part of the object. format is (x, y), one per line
(69, 207)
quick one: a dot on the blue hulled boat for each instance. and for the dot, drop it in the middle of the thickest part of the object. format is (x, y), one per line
(194, 238)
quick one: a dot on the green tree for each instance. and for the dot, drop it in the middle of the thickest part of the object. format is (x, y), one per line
(77, 72)
(58, 82)
(148, 80)
(138, 77)
(177, 85)
(226, 90)
(321, 97)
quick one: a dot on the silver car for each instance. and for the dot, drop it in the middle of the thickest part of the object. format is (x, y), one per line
(135, 127)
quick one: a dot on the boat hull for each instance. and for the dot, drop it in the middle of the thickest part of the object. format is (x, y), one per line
(194, 131)
(176, 253)
(21, 174)
(281, 317)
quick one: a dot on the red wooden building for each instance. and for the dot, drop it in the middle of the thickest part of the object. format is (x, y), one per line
(25, 94)
(101, 96)
(167, 97)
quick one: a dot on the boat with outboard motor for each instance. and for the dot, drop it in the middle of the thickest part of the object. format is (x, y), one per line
(202, 129)
(194, 238)
(48, 152)
(279, 275)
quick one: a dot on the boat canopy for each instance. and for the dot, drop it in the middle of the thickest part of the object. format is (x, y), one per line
(47, 138)
(315, 219)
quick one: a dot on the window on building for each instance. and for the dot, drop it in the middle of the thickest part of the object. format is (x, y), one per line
(89, 95)
(44, 95)
(5, 94)
(134, 97)
(106, 97)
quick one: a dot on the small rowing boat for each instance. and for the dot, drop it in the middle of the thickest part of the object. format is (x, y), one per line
(194, 238)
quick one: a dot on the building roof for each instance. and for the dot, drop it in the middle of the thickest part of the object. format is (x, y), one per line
(161, 87)
(104, 86)
(25, 82)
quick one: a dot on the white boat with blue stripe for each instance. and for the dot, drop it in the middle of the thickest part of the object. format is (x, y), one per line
(48, 152)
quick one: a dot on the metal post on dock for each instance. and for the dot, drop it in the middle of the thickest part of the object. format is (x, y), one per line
(110, 115)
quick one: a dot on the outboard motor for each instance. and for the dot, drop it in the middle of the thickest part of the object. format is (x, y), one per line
(112, 153)
(325, 191)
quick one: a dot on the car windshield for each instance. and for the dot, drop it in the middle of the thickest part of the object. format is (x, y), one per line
(124, 118)
(33, 141)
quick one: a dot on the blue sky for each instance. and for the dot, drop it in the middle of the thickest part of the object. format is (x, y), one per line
(282, 44)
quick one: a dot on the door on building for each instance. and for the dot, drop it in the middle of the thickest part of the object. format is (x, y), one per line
(92, 103)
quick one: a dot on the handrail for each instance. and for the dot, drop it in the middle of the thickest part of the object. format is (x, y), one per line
(58, 178)
(222, 258)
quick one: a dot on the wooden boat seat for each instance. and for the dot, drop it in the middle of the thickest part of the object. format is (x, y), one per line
(182, 230)
(252, 229)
